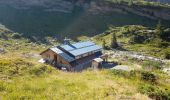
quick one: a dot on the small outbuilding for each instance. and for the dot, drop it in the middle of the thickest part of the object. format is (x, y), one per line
(97, 63)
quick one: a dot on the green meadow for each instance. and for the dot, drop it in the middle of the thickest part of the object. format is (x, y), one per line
(23, 77)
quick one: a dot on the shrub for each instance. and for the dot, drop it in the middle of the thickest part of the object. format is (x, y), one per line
(145, 89)
(167, 54)
(137, 39)
(15, 66)
(163, 44)
(40, 70)
(154, 92)
(119, 73)
(16, 35)
(148, 76)
(151, 65)
(125, 74)
(3, 35)
(2, 87)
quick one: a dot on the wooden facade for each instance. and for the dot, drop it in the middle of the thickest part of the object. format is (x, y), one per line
(55, 59)
(97, 63)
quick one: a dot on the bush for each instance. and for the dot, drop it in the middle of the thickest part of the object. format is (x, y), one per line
(146, 89)
(137, 39)
(40, 70)
(13, 67)
(2, 87)
(148, 76)
(167, 54)
(2, 35)
(154, 92)
(157, 42)
(16, 35)
(151, 65)
(125, 74)
(163, 44)
(119, 73)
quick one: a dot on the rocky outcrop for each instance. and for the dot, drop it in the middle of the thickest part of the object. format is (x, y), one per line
(91, 6)
(146, 11)
(161, 1)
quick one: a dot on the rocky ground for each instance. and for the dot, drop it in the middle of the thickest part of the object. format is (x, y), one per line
(125, 56)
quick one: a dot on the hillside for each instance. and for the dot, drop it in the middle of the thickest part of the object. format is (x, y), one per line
(138, 39)
(161, 1)
(22, 77)
(34, 81)
(138, 69)
(78, 17)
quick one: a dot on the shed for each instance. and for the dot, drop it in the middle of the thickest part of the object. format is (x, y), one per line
(97, 63)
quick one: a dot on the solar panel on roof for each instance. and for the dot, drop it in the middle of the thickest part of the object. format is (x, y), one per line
(67, 47)
(70, 47)
(85, 50)
(76, 49)
(83, 44)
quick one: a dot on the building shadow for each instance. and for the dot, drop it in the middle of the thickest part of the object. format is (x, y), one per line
(109, 65)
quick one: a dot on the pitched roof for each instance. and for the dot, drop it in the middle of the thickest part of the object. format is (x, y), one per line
(84, 50)
(98, 60)
(77, 45)
(80, 48)
(62, 54)
(69, 52)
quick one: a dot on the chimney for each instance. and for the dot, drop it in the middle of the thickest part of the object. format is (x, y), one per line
(66, 41)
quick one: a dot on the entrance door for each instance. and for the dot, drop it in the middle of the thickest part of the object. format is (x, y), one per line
(55, 59)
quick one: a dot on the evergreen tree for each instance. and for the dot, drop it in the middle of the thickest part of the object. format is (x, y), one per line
(130, 3)
(114, 41)
(104, 44)
(159, 29)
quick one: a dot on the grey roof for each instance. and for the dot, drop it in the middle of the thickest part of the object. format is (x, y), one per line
(78, 45)
(67, 47)
(85, 50)
(83, 44)
(62, 54)
(76, 49)
(80, 48)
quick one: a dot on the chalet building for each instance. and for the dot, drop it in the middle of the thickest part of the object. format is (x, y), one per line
(73, 57)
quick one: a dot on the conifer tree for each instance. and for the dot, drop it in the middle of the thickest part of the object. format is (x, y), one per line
(159, 30)
(104, 44)
(130, 3)
(114, 41)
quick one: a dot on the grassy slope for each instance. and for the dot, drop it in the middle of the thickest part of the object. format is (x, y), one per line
(145, 48)
(22, 77)
(62, 85)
